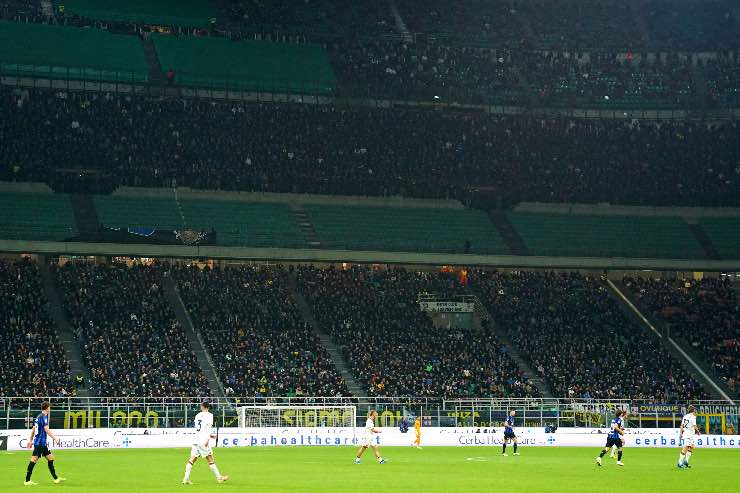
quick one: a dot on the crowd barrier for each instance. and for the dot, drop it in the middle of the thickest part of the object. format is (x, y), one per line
(108, 438)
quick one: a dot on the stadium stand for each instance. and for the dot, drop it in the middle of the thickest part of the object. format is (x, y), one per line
(246, 65)
(606, 236)
(188, 13)
(405, 229)
(244, 224)
(260, 345)
(51, 51)
(144, 141)
(36, 216)
(578, 340)
(702, 314)
(724, 233)
(130, 340)
(392, 346)
(32, 362)
(150, 212)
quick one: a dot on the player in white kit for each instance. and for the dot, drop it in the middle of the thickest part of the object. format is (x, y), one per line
(369, 437)
(688, 433)
(202, 447)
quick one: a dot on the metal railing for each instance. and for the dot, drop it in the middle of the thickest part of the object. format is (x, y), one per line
(135, 412)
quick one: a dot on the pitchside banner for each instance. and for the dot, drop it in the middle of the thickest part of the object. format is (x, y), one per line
(104, 438)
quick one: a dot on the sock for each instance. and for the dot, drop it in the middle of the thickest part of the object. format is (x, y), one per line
(215, 470)
(681, 458)
(515, 447)
(52, 470)
(688, 456)
(603, 452)
(619, 455)
(188, 468)
(504, 450)
(29, 471)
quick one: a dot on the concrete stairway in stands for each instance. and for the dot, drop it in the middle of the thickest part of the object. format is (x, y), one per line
(508, 233)
(70, 344)
(515, 355)
(86, 216)
(156, 74)
(300, 216)
(704, 241)
(692, 363)
(196, 342)
(335, 353)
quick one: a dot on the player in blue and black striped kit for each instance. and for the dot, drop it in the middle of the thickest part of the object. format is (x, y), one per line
(509, 434)
(40, 433)
(616, 432)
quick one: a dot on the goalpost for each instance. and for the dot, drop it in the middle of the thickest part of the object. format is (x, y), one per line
(264, 416)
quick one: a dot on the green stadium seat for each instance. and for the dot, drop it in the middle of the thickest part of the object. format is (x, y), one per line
(405, 229)
(246, 65)
(243, 223)
(606, 236)
(724, 233)
(36, 217)
(188, 13)
(146, 212)
(40, 50)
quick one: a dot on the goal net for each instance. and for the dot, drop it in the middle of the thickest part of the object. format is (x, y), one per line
(297, 416)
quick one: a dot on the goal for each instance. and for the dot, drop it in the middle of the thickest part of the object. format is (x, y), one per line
(297, 416)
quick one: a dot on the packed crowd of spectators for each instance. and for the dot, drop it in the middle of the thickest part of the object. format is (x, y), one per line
(140, 141)
(578, 340)
(392, 346)
(256, 336)
(32, 358)
(131, 342)
(702, 314)
(723, 81)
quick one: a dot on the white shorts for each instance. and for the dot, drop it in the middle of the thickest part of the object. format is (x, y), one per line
(689, 441)
(368, 441)
(200, 451)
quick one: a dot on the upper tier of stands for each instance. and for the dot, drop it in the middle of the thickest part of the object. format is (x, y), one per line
(70, 53)
(246, 65)
(32, 361)
(141, 141)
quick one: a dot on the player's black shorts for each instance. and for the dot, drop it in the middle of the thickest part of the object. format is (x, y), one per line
(610, 442)
(41, 451)
(509, 435)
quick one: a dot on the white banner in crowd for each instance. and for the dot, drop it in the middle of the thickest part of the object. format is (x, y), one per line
(105, 438)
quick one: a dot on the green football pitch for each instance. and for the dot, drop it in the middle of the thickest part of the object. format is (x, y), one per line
(433, 469)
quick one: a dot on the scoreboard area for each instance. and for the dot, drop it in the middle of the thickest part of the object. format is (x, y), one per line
(429, 470)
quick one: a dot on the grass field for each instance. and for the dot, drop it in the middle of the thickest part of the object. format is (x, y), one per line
(433, 469)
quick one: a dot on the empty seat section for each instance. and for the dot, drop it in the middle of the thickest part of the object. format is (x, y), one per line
(606, 236)
(41, 50)
(191, 13)
(724, 233)
(36, 216)
(246, 65)
(142, 212)
(244, 224)
(405, 229)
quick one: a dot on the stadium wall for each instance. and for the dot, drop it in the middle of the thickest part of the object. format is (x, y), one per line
(123, 438)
